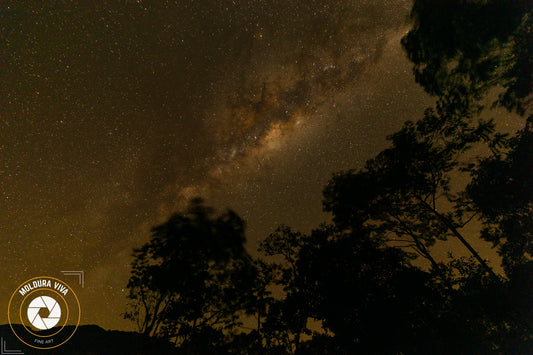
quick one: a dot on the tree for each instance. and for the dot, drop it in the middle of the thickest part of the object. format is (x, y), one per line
(405, 194)
(259, 300)
(502, 192)
(463, 49)
(365, 293)
(287, 317)
(186, 282)
(413, 193)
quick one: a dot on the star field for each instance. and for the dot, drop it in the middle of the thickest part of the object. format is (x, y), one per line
(114, 113)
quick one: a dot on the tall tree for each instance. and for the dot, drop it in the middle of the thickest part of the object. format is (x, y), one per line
(186, 280)
(461, 49)
(290, 314)
(405, 195)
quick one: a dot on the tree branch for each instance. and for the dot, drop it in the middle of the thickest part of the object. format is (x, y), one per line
(458, 235)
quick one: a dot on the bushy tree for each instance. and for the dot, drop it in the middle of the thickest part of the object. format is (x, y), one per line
(287, 316)
(502, 192)
(463, 49)
(405, 194)
(187, 282)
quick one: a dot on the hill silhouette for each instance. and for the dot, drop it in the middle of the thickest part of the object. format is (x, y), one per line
(92, 339)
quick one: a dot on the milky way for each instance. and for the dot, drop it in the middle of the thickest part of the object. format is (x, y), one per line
(114, 113)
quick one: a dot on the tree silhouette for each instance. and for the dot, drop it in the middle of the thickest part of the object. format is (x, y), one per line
(405, 194)
(463, 49)
(412, 193)
(365, 293)
(501, 191)
(186, 282)
(288, 316)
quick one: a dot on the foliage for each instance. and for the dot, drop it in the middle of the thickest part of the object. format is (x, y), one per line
(502, 192)
(290, 314)
(187, 281)
(405, 194)
(461, 49)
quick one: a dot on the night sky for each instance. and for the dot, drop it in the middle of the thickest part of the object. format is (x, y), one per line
(114, 113)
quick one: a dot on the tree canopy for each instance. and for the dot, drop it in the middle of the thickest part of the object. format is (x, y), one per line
(187, 281)
(463, 49)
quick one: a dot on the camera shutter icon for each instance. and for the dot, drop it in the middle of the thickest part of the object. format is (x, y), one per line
(44, 312)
